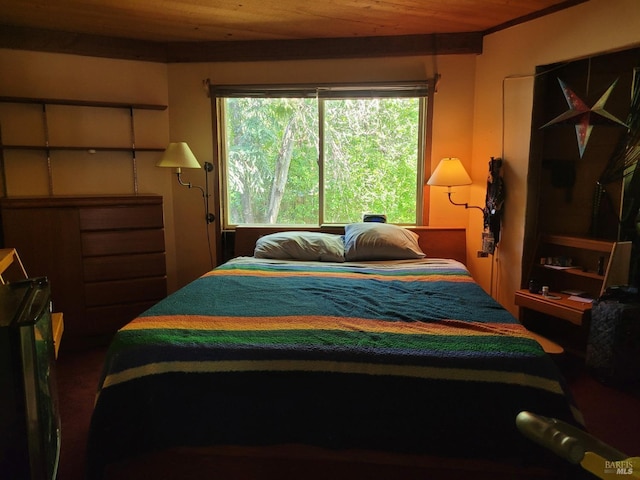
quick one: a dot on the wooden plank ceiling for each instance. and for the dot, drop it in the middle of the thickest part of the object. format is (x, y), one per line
(183, 30)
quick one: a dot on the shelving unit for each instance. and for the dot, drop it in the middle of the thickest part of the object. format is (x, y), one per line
(48, 147)
(585, 257)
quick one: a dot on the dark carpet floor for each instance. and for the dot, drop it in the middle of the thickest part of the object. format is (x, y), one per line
(611, 414)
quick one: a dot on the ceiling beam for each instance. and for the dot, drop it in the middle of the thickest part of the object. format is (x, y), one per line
(324, 48)
(23, 38)
(41, 40)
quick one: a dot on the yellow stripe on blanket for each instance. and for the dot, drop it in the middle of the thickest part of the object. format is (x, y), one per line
(434, 373)
(320, 322)
(353, 275)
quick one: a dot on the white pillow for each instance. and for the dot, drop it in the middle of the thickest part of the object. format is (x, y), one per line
(380, 241)
(324, 247)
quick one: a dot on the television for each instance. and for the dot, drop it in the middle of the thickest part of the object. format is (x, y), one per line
(29, 414)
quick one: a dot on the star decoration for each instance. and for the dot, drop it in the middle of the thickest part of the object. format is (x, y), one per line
(581, 115)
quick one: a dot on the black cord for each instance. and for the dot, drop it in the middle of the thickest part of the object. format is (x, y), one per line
(209, 217)
(206, 204)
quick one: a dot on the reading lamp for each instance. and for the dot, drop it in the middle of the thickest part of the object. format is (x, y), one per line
(451, 173)
(178, 155)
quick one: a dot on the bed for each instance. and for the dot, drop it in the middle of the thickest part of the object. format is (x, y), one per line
(329, 367)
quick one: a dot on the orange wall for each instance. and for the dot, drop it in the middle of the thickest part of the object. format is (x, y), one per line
(504, 78)
(190, 121)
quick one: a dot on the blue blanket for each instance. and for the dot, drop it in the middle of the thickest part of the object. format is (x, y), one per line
(409, 357)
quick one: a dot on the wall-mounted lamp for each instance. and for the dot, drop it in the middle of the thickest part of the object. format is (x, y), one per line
(451, 173)
(178, 155)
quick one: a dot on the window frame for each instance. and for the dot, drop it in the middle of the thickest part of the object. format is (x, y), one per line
(422, 89)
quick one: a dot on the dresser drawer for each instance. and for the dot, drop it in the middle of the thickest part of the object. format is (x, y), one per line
(121, 267)
(121, 217)
(122, 242)
(125, 291)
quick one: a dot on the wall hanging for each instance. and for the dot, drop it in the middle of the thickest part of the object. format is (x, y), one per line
(494, 201)
(583, 117)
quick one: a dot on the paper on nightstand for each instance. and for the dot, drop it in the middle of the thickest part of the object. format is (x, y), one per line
(580, 299)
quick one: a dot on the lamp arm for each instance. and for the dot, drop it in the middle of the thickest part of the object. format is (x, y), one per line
(182, 182)
(465, 205)
(188, 184)
(209, 217)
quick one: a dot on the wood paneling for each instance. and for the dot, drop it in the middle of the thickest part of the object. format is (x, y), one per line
(443, 242)
(225, 20)
(104, 256)
(261, 29)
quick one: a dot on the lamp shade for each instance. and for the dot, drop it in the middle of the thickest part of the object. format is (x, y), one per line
(449, 172)
(178, 155)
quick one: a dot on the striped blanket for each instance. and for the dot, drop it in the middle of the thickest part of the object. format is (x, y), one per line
(397, 356)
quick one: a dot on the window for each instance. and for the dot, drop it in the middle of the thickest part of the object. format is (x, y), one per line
(321, 155)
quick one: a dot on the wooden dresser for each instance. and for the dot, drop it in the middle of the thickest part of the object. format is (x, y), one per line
(104, 256)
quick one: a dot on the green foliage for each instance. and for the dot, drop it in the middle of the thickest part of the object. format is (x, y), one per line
(371, 152)
(370, 155)
(254, 132)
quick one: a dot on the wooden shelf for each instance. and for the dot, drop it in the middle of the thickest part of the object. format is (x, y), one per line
(82, 103)
(80, 148)
(571, 310)
(576, 271)
(577, 242)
